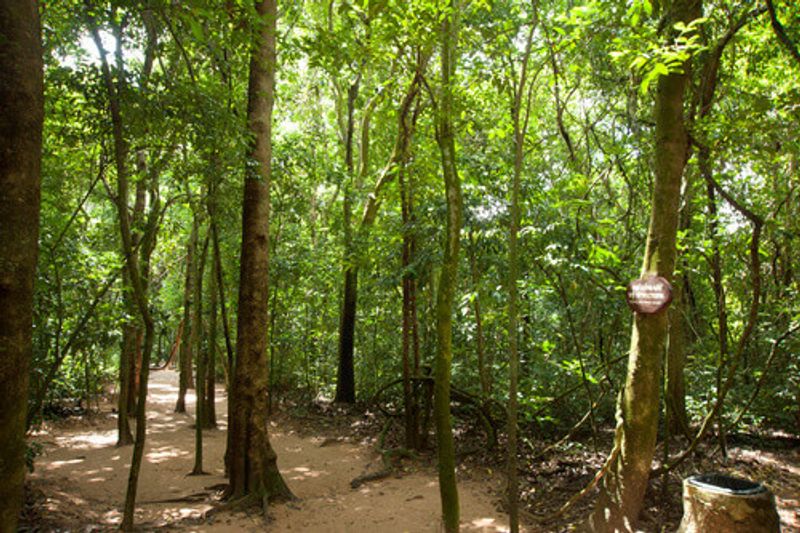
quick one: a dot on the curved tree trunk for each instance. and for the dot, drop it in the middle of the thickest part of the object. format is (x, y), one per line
(137, 265)
(253, 465)
(21, 91)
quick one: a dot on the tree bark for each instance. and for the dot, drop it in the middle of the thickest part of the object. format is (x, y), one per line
(345, 375)
(22, 94)
(200, 356)
(445, 134)
(676, 362)
(126, 354)
(137, 266)
(185, 354)
(345, 384)
(484, 375)
(410, 338)
(253, 463)
(210, 412)
(628, 468)
(520, 118)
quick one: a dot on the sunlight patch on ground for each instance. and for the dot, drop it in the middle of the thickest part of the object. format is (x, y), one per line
(58, 464)
(99, 439)
(487, 524)
(165, 453)
(303, 472)
(769, 459)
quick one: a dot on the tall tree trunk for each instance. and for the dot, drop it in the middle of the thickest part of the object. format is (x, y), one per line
(126, 355)
(345, 384)
(210, 412)
(21, 91)
(410, 366)
(628, 466)
(200, 356)
(253, 463)
(137, 265)
(345, 376)
(520, 110)
(483, 371)
(185, 354)
(445, 134)
(134, 328)
(677, 419)
(410, 338)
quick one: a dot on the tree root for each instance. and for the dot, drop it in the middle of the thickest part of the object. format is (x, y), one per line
(191, 498)
(609, 464)
(373, 476)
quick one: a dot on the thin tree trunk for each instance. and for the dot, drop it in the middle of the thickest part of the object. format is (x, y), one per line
(628, 466)
(40, 393)
(210, 412)
(345, 385)
(345, 376)
(483, 371)
(124, 436)
(445, 134)
(410, 341)
(200, 356)
(185, 354)
(223, 308)
(520, 118)
(137, 272)
(21, 91)
(253, 463)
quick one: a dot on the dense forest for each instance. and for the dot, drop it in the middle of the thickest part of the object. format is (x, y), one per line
(415, 221)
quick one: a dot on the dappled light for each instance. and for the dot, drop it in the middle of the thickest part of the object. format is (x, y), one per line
(165, 453)
(87, 441)
(359, 266)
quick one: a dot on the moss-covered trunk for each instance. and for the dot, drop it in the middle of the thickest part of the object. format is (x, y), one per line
(21, 91)
(445, 134)
(625, 483)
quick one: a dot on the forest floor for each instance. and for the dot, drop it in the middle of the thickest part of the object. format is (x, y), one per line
(80, 477)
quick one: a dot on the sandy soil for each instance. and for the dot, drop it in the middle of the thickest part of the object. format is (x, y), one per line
(80, 480)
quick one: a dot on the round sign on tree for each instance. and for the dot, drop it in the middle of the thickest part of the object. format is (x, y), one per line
(649, 295)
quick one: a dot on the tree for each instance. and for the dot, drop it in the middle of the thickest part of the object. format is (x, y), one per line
(185, 350)
(22, 94)
(520, 116)
(253, 465)
(445, 136)
(627, 468)
(136, 246)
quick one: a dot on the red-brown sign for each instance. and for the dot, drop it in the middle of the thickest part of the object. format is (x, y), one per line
(649, 295)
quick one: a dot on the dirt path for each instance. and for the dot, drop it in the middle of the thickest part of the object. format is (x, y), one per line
(81, 478)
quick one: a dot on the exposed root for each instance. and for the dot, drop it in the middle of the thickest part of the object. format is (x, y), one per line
(373, 476)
